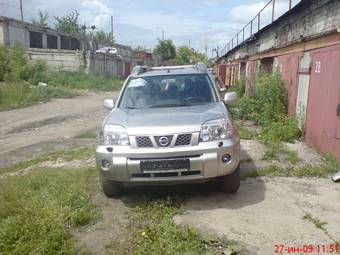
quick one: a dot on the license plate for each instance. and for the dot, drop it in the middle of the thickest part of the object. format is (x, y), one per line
(165, 165)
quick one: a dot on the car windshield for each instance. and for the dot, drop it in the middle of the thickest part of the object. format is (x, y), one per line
(167, 91)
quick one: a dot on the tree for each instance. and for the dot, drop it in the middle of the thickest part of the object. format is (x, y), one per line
(185, 56)
(102, 36)
(69, 23)
(42, 20)
(165, 49)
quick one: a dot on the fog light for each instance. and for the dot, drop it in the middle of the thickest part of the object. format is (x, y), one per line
(226, 158)
(105, 164)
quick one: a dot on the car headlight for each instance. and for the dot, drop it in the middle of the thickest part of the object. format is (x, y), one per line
(113, 135)
(216, 129)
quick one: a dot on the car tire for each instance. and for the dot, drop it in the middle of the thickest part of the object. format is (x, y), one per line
(111, 188)
(231, 182)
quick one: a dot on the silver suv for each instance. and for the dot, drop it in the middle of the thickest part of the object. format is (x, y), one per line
(170, 125)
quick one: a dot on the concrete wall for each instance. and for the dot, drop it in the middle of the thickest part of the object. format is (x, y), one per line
(3, 33)
(305, 21)
(18, 35)
(86, 61)
(106, 65)
(60, 60)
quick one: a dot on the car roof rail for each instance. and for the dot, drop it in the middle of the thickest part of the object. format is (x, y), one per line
(137, 70)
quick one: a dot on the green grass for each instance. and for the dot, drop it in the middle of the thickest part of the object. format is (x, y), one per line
(153, 231)
(245, 133)
(20, 94)
(59, 85)
(82, 81)
(328, 167)
(87, 135)
(274, 149)
(80, 153)
(272, 170)
(37, 210)
(317, 222)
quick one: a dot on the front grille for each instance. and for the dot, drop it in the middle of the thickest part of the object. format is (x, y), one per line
(163, 141)
(183, 139)
(143, 141)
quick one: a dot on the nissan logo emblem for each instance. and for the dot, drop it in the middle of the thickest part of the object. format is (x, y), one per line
(163, 141)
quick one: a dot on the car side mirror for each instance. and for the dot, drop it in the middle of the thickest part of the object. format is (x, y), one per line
(109, 104)
(223, 89)
(230, 97)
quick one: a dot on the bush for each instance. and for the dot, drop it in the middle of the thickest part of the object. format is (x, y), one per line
(248, 109)
(239, 87)
(267, 108)
(4, 62)
(284, 130)
(14, 66)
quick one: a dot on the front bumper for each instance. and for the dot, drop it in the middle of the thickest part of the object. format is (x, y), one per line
(205, 162)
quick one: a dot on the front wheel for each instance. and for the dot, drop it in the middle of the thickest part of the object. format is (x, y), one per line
(111, 188)
(231, 182)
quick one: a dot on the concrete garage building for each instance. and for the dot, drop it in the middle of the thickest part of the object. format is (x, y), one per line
(303, 45)
(70, 52)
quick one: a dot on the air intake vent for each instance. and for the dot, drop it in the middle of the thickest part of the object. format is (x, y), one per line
(143, 141)
(183, 139)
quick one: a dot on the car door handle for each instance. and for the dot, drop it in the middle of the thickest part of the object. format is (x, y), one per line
(338, 110)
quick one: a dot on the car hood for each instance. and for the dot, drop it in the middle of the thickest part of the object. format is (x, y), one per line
(166, 120)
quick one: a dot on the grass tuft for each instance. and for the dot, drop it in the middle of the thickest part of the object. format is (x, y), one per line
(317, 222)
(153, 231)
(275, 148)
(328, 167)
(38, 210)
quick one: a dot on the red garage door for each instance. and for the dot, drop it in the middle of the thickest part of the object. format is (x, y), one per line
(127, 69)
(322, 123)
(289, 67)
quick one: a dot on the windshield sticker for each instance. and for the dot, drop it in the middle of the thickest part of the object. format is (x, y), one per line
(137, 83)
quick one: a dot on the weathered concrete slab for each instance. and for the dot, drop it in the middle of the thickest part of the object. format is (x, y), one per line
(268, 211)
(306, 154)
(252, 150)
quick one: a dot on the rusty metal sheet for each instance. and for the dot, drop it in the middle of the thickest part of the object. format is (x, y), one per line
(222, 72)
(322, 122)
(288, 66)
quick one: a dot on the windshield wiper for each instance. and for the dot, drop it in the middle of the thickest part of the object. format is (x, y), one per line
(168, 105)
(131, 108)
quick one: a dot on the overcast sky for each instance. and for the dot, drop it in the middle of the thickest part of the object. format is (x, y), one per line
(139, 23)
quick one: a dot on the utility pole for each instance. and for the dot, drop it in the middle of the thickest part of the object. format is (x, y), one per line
(163, 33)
(112, 36)
(206, 45)
(189, 44)
(21, 11)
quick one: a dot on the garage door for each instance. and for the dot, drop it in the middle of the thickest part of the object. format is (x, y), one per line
(322, 123)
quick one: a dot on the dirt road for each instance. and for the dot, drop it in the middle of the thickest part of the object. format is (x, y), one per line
(33, 128)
